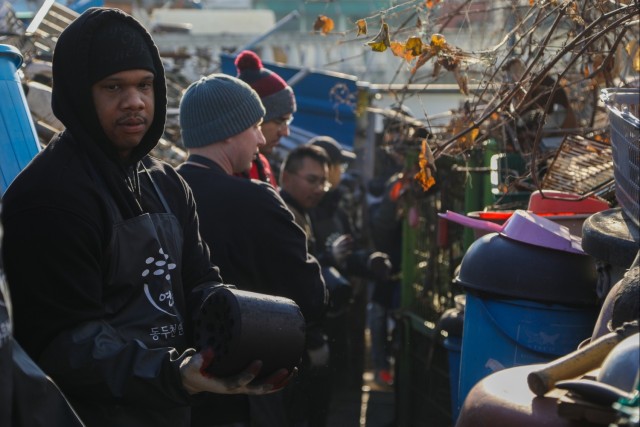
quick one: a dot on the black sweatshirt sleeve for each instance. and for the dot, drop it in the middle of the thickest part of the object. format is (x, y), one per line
(280, 252)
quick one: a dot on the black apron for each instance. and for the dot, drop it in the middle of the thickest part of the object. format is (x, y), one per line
(144, 303)
(144, 276)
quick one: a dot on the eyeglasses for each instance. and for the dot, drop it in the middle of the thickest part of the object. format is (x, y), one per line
(316, 181)
(279, 122)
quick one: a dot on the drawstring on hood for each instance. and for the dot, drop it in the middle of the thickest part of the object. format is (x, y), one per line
(74, 66)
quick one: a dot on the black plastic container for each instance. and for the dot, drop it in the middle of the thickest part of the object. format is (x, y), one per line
(497, 265)
(241, 326)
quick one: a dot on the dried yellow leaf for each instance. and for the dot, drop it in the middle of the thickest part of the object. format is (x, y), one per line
(324, 24)
(431, 3)
(361, 24)
(414, 46)
(425, 161)
(473, 135)
(631, 47)
(377, 46)
(438, 42)
(409, 50)
(425, 179)
(461, 124)
(397, 48)
(381, 42)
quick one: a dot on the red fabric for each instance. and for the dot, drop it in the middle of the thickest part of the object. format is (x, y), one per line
(267, 175)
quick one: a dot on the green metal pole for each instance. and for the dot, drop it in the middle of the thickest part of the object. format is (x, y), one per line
(477, 193)
(407, 298)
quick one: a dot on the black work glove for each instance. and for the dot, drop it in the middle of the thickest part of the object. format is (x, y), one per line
(379, 266)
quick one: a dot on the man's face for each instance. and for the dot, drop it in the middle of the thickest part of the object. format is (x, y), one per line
(273, 130)
(244, 147)
(308, 185)
(125, 106)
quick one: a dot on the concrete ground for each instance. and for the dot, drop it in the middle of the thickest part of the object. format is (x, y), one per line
(372, 405)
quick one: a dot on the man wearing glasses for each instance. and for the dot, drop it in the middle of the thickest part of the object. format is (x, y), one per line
(279, 102)
(304, 181)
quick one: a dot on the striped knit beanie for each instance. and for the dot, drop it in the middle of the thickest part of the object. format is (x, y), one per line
(217, 107)
(276, 95)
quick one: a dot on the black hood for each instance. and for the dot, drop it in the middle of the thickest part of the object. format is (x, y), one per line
(71, 99)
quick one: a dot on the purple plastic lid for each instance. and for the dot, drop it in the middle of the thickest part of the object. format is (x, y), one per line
(526, 227)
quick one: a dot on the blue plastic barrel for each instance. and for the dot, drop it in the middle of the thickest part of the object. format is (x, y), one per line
(453, 345)
(18, 137)
(503, 333)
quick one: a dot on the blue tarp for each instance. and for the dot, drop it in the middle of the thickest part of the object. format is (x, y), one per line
(326, 101)
(82, 5)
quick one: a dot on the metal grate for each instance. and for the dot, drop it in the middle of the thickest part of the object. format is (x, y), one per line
(581, 166)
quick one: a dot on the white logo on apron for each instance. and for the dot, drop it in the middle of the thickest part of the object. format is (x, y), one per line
(160, 267)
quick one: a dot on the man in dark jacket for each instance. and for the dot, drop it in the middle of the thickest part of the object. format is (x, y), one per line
(331, 222)
(304, 181)
(252, 235)
(341, 245)
(102, 250)
(279, 103)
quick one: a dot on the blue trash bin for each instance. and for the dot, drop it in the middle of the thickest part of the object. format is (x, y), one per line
(451, 322)
(18, 137)
(453, 345)
(501, 334)
(525, 304)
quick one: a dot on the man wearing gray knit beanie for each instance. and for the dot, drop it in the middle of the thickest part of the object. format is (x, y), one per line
(221, 109)
(251, 233)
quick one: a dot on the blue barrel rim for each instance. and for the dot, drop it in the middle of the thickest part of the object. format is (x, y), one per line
(13, 53)
(485, 303)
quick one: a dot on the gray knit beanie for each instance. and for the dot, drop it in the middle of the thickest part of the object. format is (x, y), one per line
(217, 107)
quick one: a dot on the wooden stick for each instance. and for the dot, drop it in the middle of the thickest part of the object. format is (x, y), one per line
(578, 362)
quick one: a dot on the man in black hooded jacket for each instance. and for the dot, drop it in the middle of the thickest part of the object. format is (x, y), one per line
(102, 249)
